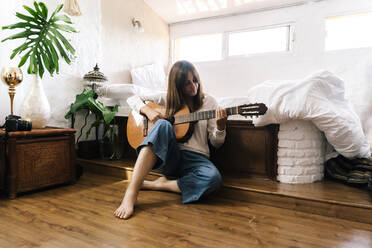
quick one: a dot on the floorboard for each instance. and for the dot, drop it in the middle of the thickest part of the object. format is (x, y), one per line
(325, 191)
(328, 198)
(81, 215)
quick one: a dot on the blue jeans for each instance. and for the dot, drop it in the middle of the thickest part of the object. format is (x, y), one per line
(197, 175)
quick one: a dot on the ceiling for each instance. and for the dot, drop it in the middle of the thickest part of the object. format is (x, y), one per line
(173, 11)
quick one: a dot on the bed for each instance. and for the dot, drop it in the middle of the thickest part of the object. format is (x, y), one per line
(291, 142)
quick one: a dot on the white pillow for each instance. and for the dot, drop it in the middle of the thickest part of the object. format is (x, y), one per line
(150, 76)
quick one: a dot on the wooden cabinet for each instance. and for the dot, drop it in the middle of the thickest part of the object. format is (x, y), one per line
(248, 150)
(36, 159)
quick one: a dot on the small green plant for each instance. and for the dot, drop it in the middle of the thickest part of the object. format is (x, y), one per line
(104, 115)
(86, 100)
(42, 39)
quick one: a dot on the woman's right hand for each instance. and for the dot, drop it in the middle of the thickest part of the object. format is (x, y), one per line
(152, 114)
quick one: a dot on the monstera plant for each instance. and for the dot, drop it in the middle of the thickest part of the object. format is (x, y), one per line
(110, 146)
(88, 100)
(43, 38)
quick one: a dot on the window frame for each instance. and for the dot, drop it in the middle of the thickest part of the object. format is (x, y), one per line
(173, 46)
(343, 14)
(290, 40)
(225, 42)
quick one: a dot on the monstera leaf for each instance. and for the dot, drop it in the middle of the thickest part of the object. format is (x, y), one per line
(43, 38)
(86, 100)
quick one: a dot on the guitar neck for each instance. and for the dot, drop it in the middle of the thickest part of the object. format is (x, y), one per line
(203, 115)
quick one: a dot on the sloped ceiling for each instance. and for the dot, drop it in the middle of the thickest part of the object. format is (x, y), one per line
(173, 11)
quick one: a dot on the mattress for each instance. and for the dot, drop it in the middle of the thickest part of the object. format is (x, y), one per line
(124, 109)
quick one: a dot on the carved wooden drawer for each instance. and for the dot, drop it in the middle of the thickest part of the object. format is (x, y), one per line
(37, 159)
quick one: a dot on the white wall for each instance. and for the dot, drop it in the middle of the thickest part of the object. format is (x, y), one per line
(123, 46)
(62, 88)
(106, 36)
(232, 77)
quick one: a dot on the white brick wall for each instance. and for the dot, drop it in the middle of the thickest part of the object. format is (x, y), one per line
(301, 151)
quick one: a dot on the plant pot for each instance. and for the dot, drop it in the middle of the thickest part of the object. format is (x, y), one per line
(111, 151)
(35, 106)
(110, 147)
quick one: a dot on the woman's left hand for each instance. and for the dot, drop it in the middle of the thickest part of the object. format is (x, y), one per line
(221, 118)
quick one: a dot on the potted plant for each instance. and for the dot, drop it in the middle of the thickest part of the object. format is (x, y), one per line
(43, 46)
(109, 144)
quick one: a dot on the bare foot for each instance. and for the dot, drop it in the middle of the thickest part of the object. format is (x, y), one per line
(154, 185)
(126, 208)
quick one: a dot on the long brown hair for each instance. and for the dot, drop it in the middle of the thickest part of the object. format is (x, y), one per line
(177, 79)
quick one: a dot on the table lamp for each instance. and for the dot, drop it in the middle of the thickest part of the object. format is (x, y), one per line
(94, 78)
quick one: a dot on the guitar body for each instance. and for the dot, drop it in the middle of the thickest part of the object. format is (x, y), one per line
(137, 131)
(138, 126)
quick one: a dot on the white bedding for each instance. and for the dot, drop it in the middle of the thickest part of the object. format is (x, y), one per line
(318, 98)
(112, 94)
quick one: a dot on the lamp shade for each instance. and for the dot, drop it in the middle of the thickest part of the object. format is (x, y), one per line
(95, 75)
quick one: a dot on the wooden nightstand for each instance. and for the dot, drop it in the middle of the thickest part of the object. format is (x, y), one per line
(36, 159)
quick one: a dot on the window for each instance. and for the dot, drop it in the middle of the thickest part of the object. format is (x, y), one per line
(350, 31)
(212, 47)
(259, 41)
(198, 48)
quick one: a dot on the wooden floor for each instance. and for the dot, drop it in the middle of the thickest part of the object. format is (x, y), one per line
(327, 198)
(326, 190)
(81, 215)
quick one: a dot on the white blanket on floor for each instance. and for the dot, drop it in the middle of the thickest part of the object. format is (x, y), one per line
(319, 98)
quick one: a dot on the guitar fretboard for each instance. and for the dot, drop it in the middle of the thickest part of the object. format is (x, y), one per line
(203, 115)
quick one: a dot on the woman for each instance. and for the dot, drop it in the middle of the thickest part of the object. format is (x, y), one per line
(188, 162)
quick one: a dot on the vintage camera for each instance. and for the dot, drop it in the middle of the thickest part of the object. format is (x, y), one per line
(14, 123)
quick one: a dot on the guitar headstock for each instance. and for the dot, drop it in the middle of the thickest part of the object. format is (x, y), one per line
(252, 109)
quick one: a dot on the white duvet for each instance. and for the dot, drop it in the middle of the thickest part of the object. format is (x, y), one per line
(319, 98)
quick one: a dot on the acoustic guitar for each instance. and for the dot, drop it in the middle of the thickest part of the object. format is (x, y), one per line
(139, 126)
